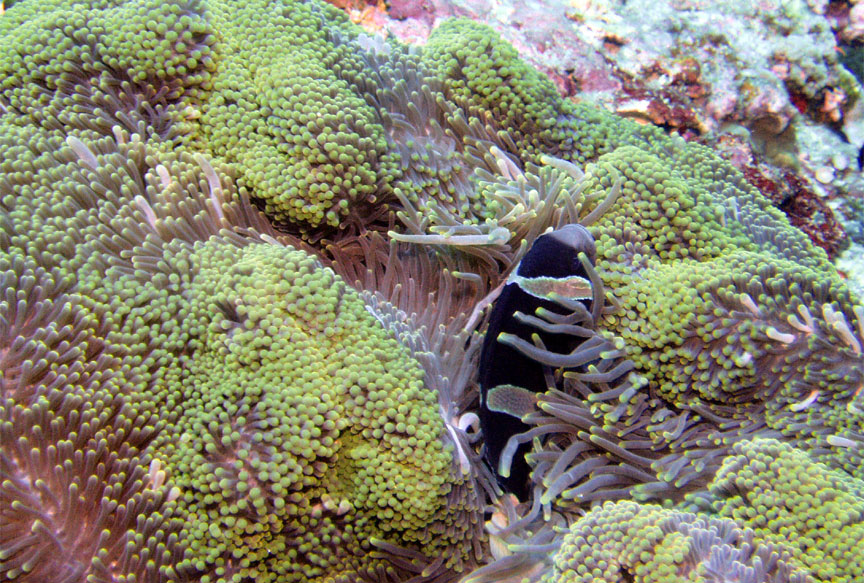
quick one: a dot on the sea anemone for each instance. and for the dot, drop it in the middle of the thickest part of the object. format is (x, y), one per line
(77, 502)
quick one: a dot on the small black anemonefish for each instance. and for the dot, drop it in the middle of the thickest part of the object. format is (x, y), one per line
(551, 265)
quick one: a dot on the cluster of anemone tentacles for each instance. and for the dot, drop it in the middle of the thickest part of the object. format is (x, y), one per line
(246, 259)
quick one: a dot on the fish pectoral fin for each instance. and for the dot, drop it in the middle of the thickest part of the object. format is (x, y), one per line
(511, 400)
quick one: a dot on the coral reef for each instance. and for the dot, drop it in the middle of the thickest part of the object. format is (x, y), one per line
(804, 208)
(726, 354)
(247, 255)
(779, 79)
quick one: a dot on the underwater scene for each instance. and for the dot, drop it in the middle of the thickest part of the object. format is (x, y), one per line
(475, 291)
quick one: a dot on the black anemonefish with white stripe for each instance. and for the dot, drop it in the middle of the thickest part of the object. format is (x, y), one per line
(551, 265)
